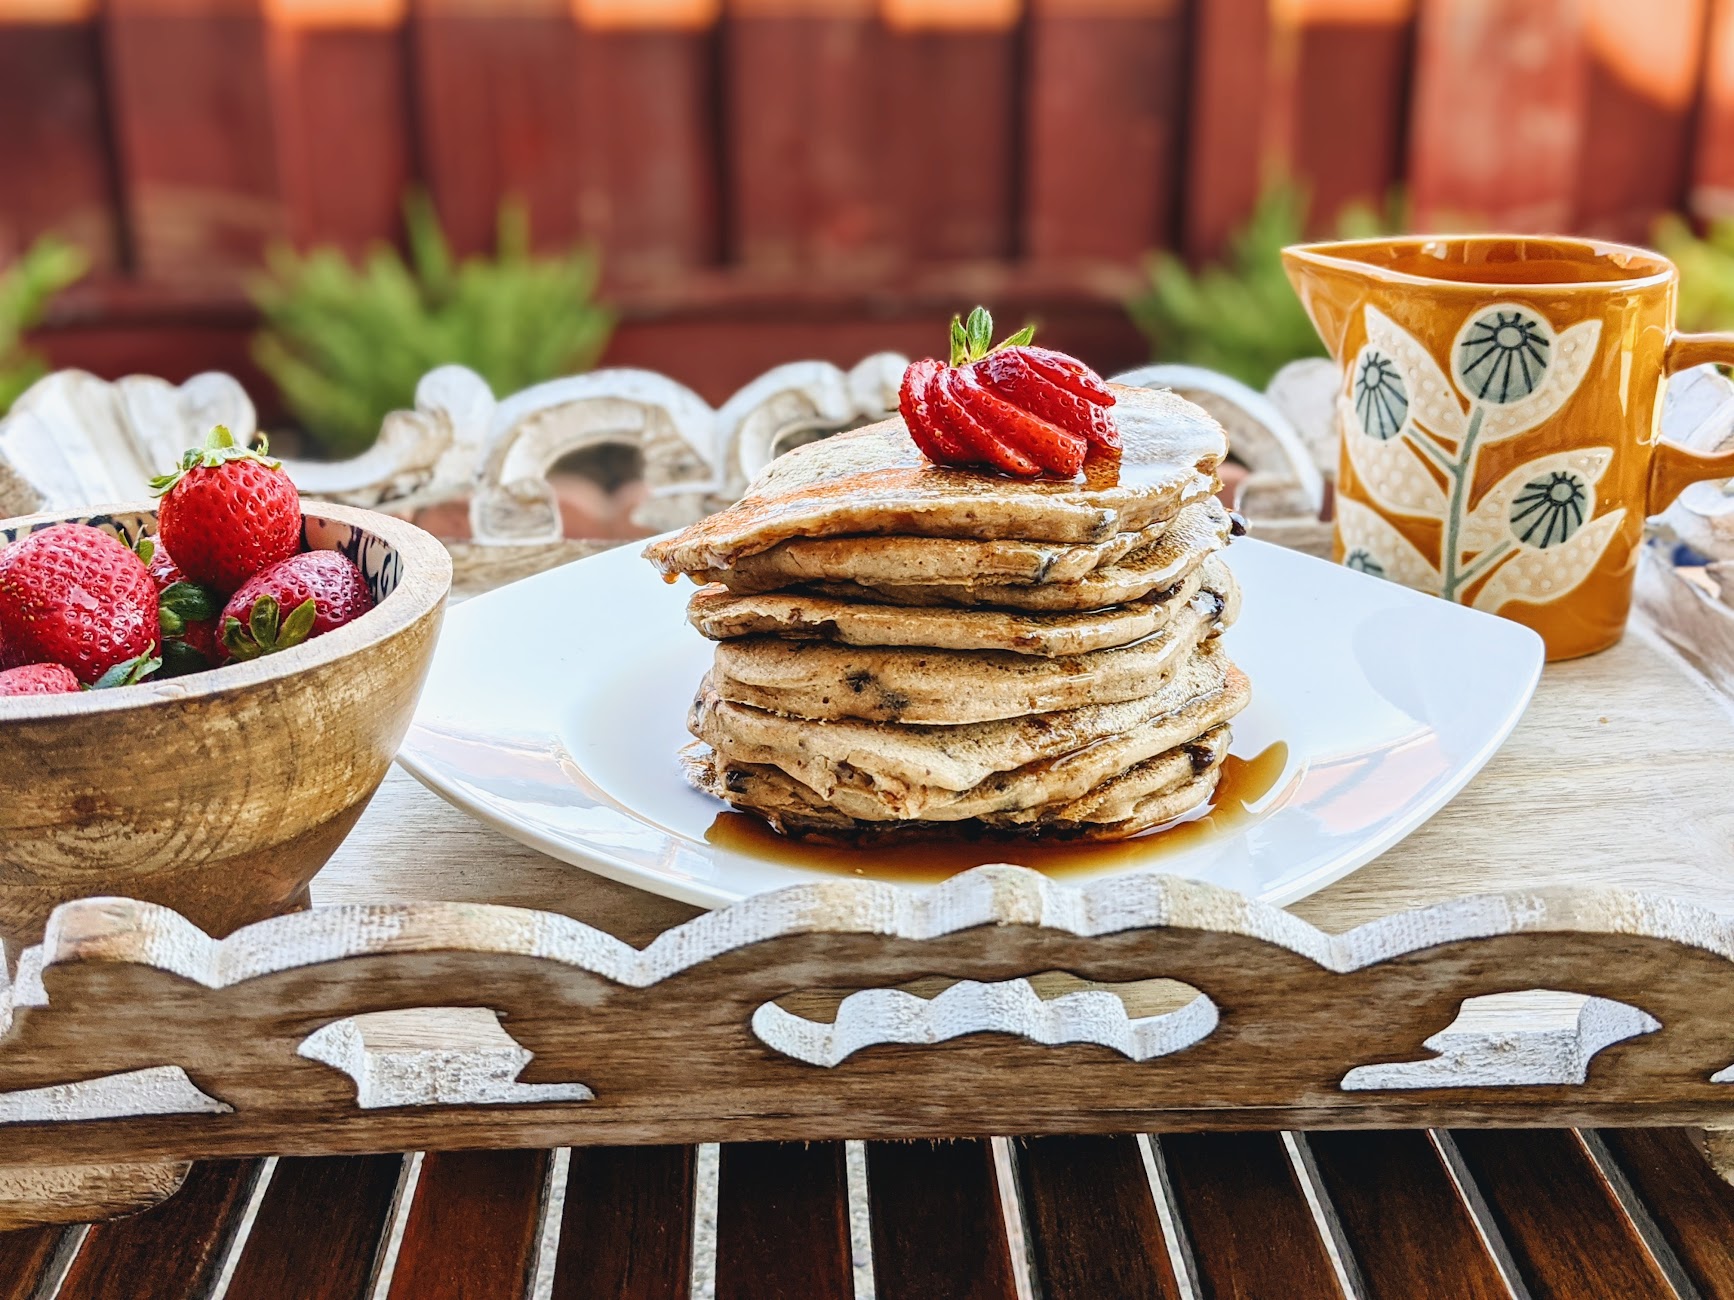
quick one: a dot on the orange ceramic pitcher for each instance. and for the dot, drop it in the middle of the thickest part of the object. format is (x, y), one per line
(1499, 418)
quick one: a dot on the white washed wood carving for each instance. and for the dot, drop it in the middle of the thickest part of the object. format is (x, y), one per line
(674, 1041)
(74, 440)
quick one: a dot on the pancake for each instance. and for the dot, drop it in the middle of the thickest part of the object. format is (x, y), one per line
(922, 560)
(1151, 794)
(1198, 531)
(722, 615)
(873, 481)
(816, 679)
(884, 772)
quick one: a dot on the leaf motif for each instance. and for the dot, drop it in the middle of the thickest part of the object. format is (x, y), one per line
(1372, 545)
(1572, 352)
(1391, 470)
(1542, 576)
(1490, 522)
(1433, 403)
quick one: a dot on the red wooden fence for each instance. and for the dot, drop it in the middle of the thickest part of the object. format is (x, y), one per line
(771, 179)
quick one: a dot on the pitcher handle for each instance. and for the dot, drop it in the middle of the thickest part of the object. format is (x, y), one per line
(1675, 468)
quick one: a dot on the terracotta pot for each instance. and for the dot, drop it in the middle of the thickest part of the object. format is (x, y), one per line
(219, 794)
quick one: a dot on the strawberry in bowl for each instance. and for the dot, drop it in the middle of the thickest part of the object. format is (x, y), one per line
(220, 791)
(1013, 407)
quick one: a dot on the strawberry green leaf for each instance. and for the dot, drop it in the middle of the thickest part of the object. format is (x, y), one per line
(179, 659)
(980, 331)
(1020, 339)
(172, 623)
(959, 342)
(220, 448)
(262, 622)
(145, 548)
(236, 640)
(129, 672)
(298, 625)
(189, 602)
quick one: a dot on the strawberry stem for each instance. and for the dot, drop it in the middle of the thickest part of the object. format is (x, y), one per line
(972, 340)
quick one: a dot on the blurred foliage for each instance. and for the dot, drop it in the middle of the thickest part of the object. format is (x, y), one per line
(1240, 315)
(26, 288)
(347, 345)
(1706, 271)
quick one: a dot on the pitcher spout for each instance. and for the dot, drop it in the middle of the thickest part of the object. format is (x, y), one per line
(1329, 285)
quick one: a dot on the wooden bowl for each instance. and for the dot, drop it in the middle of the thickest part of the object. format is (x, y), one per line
(218, 794)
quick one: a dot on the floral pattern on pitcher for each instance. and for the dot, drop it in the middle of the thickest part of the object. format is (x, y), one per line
(1533, 536)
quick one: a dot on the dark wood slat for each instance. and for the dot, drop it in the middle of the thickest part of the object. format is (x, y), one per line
(1567, 1233)
(1349, 112)
(341, 109)
(1409, 1230)
(496, 104)
(55, 148)
(627, 1229)
(25, 1255)
(318, 1229)
(1638, 116)
(938, 1229)
(782, 1222)
(170, 1252)
(806, 171)
(189, 93)
(1103, 111)
(472, 1231)
(1229, 71)
(646, 186)
(1241, 1207)
(1691, 1205)
(1092, 1220)
(1491, 76)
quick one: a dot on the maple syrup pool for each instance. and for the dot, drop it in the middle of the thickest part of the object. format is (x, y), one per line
(1243, 783)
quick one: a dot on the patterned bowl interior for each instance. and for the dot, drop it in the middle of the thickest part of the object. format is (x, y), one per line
(374, 556)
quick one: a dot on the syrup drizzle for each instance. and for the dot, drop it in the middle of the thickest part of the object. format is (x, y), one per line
(1244, 782)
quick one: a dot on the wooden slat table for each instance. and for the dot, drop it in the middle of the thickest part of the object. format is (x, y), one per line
(1403, 1215)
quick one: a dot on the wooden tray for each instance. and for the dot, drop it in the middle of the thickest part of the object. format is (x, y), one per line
(536, 1005)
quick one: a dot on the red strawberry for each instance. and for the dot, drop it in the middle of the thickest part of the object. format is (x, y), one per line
(38, 679)
(1019, 409)
(1070, 373)
(320, 589)
(73, 595)
(227, 512)
(1051, 447)
(916, 399)
(188, 611)
(985, 447)
(1011, 373)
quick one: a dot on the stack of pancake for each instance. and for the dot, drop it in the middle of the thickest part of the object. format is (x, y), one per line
(904, 648)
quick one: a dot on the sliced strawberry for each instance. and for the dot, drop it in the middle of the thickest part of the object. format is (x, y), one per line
(1009, 373)
(988, 447)
(1051, 447)
(916, 400)
(1069, 373)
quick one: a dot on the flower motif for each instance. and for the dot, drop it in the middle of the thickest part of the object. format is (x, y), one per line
(1361, 560)
(1549, 509)
(1381, 397)
(1503, 354)
(1537, 576)
(1540, 504)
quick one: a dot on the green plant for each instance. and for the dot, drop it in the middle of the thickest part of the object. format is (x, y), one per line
(1240, 315)
(347, 344)
(26, 288)
(1706, 271)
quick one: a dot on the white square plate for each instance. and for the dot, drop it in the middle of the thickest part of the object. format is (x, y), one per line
(556, 705)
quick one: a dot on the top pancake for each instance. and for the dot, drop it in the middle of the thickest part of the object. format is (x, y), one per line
(875, 481)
